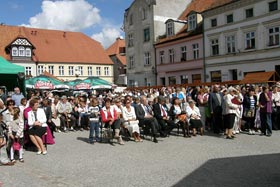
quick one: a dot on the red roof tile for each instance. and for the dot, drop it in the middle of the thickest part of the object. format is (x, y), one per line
(114, 49)
(55, 46)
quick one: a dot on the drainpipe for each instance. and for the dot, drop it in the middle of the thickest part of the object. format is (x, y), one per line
(203, 38)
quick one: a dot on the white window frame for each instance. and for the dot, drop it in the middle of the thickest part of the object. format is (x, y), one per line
(192, 22)
(28, 70)
(131, 62)
(170, 28)
(161, 57)
(274, 36)
(184, 53)
(106, 71)
(40, 69)
(51, 69)
(89, 71)
(195, 50)
(171, 54)
(21, 51)
(98, 71)
(71, 70)
(130, 40)
(81, 70)
(249, 38)
(61, 70)
(147, 58)
(230, 44)
(28, 52)
(15, 51)
(215, 43)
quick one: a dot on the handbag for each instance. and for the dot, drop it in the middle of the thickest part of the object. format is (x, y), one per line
(16, 145)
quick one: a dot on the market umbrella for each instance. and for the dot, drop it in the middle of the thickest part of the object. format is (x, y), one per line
(72, 83)
(93, 83)
(44, 82)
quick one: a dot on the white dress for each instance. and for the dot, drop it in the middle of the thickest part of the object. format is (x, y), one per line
(132, 125)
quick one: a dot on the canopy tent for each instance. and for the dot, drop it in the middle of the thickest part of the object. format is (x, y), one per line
(260, 77)
(44, 83)
(11, 75)
(90, 83)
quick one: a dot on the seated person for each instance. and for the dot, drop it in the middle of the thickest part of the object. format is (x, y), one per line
(194, 117)
(37, 126)
(109, 117)
(130, 121)
(145, 116)
(179, 116)
(160, 113)
(64, 109)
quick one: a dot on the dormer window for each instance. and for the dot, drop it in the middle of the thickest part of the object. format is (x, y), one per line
(192, 22)
(28, 52)
(21, 51)
(14, 51)
(170, 29)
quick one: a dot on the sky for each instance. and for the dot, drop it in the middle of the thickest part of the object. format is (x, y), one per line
(99, 19)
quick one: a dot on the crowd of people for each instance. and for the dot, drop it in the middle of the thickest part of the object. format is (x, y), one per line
(225, 110)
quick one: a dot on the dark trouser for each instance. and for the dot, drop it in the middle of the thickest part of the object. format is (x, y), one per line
(65, 123)
(166, 126)
(116, 124)
(250, 122)
(276, 119)
(84, 121)
(151, 123)
(185, 127)
(229, 121)
(217, 121)
(266, 122)
(52, 127)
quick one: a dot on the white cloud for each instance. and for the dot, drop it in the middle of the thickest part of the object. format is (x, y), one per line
(66, 15)
(107, 36)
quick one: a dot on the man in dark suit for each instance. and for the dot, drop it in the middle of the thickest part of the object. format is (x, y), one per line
(145, 116)
(162, 117)
(215, 103)
(48, 111)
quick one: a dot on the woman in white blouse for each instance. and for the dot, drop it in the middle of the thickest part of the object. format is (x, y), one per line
(37, 125)
(194, 117)
(130, 121)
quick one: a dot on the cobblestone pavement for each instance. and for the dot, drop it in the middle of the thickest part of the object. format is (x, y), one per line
(248, 160)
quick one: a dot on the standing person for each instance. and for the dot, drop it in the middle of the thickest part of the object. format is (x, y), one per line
(276, 108)
(3, 96)
(94, 119)
(17, 96)
(109, 117)
(202, 101)
(250, 107)
(37, 126)
(265, 103)
(230, 111)
(15, 133)
(215, 103)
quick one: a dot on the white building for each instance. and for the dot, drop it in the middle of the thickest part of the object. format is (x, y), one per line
(143, 23)
(241, 37)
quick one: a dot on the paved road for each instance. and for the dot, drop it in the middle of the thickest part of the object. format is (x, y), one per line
(175, 161)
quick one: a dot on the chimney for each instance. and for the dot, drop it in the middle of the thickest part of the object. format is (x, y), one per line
(64, 34)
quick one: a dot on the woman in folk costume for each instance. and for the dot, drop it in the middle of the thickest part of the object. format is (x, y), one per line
(109, 117)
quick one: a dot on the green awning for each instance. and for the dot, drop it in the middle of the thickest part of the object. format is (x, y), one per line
(8, 68)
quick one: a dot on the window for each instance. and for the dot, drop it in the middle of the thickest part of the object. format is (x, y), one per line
(172, 80)
(130, 40)
(170, 29)
(249, 12)
(146, 34)
(183, 53)
(71, 70)
(106, 71)
(161, 57)
(51, 69)
(14, 51)
(230, 44)
(131, 62)
(216, 76)
(21, 51)
(195, 51)
(28, 70)
(98, 71)
(250, 40)
(184, 79)
(40, 69)
(144, 14)
(61, 70)
(273, 6)
(192, 22)
(122, 50)
(196, 78)
(131, 19)
(28, 52)
(132, 83)
(89, 70)
(274, 35)
(214, 22)
(171, 55)
(80, 69)
(230, 18)
(147, 58)
(215, 47)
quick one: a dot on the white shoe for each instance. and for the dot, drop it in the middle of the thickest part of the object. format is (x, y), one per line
(233, 132)
(237, 131)
(253, 132)
(250, 132)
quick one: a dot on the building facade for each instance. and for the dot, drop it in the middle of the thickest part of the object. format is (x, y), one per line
(143, 23)
(241, 37)
(67, 55)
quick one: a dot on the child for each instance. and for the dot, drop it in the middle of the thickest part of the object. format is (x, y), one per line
(15, 133)
(94, 120)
